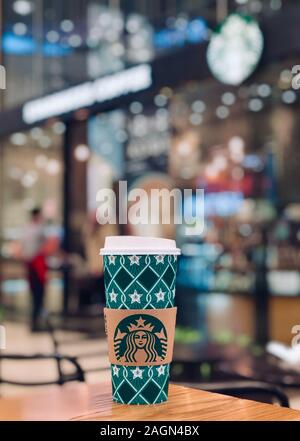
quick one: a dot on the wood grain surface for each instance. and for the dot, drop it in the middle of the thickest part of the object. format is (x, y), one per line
(82, 402)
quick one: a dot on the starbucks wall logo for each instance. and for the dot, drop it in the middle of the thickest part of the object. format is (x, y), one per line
(235, 49)
(140, 338)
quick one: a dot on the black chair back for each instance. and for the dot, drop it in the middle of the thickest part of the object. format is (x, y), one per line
(62, 378)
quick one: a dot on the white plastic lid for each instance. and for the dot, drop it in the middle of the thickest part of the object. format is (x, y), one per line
(138, 245)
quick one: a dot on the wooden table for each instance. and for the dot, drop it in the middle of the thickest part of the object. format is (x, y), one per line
(82, 402)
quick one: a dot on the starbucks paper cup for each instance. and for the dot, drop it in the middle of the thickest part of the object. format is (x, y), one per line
(140, 275)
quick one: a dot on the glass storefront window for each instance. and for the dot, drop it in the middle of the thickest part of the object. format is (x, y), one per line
(32, 176)
(52, 45)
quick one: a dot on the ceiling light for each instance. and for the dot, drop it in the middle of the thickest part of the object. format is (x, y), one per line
(255, 105)
(36, 132)
(75, 40)
(52, 36)
(136, 107)
(19, 28)
(275, 5)
(196, 119)
(228, 98)
(264, 90)
(82, 152)
(29, 179)
(160, 100)
(53, 167)
(289, 97)
(198, 106)
(45, 142)
(18, 139)
(59, 127)
(222, 112)
(67, 26)
(22, 7)
(134, 23)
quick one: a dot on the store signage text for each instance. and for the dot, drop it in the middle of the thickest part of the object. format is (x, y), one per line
(2, 77)
(104, 89)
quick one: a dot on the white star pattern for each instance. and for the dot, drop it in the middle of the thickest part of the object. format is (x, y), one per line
(113, 296)
(134, 260)
(137, 373)
(112, 259)
(159, 259)
(160, 295)
(135, 297)
(116, 371)
(161, 370)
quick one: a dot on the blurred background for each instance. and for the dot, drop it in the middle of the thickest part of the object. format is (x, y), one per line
(163, 94)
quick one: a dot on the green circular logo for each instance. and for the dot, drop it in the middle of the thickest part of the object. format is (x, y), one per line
(235, 49)
(140, 338)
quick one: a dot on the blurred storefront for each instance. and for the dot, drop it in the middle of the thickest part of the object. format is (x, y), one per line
(155, 115)
(31, 175)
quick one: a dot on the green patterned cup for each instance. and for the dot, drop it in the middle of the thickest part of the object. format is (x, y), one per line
(140, 275)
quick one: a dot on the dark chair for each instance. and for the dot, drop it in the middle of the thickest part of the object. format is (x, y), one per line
(62, 378)
(58, 343)
(255, 390)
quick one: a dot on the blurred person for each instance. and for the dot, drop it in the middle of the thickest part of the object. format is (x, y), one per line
(34, 244)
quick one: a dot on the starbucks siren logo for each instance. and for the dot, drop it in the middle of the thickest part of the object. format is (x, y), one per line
(140, 338)
(235, 49)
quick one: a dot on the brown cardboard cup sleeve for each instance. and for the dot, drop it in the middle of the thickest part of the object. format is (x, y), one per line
(140, 337)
